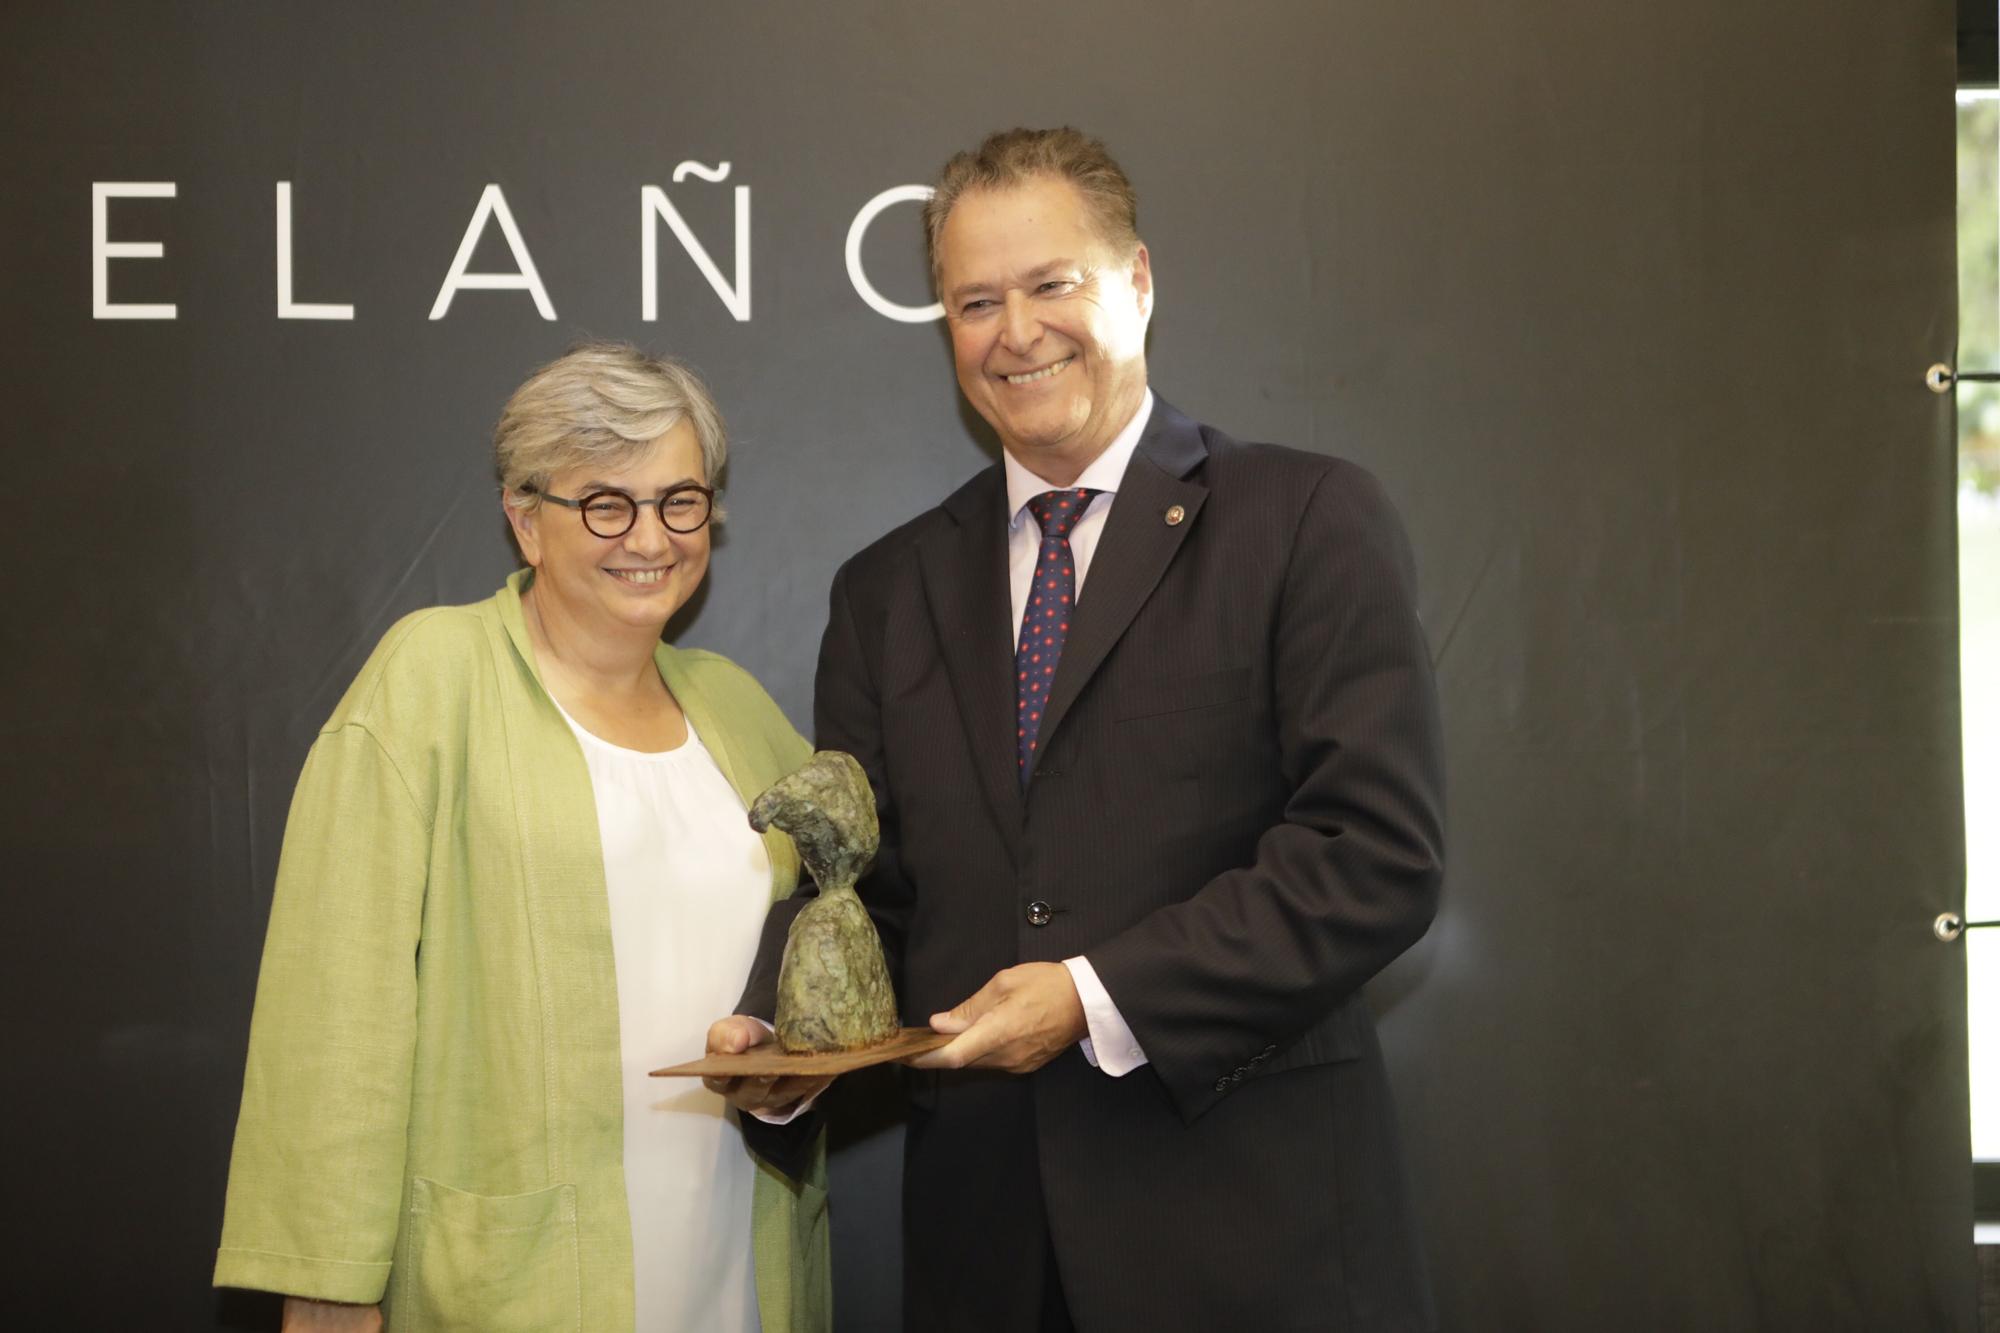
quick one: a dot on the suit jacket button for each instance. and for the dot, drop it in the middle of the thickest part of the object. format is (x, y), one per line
(1039, 913)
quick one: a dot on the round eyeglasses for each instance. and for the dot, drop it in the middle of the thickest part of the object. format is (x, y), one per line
(684, 508)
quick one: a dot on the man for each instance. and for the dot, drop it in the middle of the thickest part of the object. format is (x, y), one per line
(1153, 733)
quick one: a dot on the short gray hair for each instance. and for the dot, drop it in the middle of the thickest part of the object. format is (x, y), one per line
(600, 402)
(1008, 158)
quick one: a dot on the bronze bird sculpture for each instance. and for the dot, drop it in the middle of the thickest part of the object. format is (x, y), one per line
(833, 986)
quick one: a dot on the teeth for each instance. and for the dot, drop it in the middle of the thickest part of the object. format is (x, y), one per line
(640, 575)
(1041, 374)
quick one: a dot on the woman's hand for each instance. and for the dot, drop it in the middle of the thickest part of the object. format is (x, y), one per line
(774, 1097)
(304, 1316)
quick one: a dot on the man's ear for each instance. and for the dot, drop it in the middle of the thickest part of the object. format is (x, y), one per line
(522, 521)
(1142, 281)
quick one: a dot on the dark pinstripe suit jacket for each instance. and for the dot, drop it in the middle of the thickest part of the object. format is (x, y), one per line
(1236, 815)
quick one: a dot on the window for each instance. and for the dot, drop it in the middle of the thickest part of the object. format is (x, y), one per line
(1979, 609)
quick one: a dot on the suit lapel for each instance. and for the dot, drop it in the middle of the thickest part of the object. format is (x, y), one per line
(965, 582)
(1132, 553)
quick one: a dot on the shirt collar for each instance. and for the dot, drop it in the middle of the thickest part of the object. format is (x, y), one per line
(1103, 474)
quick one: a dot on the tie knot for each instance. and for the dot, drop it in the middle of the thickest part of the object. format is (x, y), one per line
(1058, 511)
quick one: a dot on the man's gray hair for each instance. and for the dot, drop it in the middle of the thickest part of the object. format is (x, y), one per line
(1012, 157)
(600, 403)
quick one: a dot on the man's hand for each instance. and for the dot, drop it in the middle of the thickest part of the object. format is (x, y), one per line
(1019, 1021)
(767, 1096)
(304, 1316)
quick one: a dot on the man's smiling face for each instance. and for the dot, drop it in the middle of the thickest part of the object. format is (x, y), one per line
(1048, 322)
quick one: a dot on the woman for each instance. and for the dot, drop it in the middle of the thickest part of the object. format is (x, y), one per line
(517, 876)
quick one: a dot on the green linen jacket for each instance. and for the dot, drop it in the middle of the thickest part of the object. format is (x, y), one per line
(432, 1109)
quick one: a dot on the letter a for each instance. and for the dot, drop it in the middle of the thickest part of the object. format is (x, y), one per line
(492, 205)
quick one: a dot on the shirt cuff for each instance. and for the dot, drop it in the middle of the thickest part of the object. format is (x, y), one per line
(782, 1117)
(1110, 1046)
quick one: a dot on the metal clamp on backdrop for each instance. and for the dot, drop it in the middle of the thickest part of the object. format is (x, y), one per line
(1950, 925)
(1940, 377)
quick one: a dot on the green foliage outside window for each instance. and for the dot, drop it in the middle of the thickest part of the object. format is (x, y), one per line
(1979, 292)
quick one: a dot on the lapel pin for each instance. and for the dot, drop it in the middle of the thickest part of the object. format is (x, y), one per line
(1174, 515)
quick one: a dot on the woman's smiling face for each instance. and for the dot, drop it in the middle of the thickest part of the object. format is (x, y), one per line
(636, 581)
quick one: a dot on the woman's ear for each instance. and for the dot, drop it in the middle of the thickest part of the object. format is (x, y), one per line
(522, 520)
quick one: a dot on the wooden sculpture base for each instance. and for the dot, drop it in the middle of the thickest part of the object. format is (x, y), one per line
(770, 1058)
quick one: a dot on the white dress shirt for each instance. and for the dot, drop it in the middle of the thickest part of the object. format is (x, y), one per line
(1110, 1046)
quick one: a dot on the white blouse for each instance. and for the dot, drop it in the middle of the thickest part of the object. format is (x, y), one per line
(689, 884)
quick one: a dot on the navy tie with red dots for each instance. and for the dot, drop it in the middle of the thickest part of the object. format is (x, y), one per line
(1045, 618)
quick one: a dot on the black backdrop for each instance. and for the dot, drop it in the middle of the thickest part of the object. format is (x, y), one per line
(1626, 305)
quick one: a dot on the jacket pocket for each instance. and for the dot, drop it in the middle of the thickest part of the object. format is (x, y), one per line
(1181, 694)
(1175, 737)
(485, 1263)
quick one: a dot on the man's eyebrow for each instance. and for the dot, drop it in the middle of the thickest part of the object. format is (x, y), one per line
(1029, 278)
(1053, 266)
